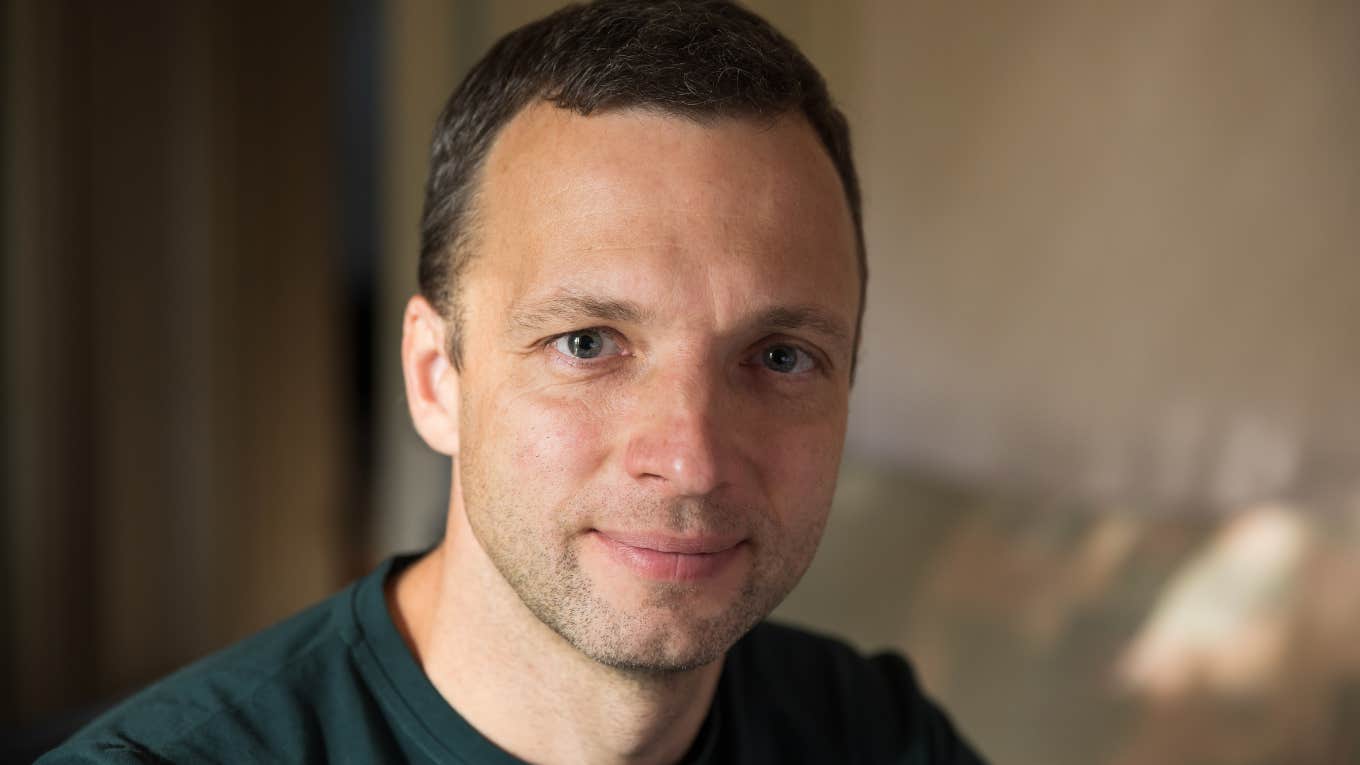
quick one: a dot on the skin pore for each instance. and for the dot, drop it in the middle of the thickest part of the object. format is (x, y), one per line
(657, 338)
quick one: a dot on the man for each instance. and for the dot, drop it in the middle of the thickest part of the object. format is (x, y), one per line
(642, 279)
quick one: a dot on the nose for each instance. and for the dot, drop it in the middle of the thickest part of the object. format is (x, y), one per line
(679, 441)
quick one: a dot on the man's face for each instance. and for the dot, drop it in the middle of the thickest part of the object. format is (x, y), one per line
(658, 329)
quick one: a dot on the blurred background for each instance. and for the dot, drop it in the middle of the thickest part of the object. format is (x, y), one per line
(1103, 473)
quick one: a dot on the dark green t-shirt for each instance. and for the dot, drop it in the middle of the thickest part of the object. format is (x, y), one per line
(337, 683)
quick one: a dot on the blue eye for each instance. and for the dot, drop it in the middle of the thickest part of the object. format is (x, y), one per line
(785, 359)
(586, 344)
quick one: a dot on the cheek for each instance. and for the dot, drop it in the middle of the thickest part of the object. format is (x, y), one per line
(555, 440)
(799, 466)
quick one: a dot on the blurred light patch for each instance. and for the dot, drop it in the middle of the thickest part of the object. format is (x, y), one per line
(1223, 623)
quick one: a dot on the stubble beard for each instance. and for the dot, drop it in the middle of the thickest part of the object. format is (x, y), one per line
(664, 636)
(660, 638)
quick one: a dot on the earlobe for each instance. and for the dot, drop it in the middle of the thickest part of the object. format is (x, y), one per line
(431, 380)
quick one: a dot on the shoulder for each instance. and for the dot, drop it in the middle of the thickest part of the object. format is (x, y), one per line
(259, 695)
(822, 689)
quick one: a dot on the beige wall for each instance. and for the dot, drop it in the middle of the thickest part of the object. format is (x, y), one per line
(1112, 247)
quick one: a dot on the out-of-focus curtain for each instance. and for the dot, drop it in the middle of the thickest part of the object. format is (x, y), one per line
(172, 384)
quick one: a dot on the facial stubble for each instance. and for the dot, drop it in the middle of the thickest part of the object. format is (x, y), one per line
(539, 559)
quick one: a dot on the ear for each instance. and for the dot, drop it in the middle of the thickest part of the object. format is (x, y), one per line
(431, 380)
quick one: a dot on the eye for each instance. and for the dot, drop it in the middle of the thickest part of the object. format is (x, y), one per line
(586, 344)
(786, 359)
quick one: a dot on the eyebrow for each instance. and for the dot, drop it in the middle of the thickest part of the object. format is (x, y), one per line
(805, 317)
(578, 306)
(554, 309)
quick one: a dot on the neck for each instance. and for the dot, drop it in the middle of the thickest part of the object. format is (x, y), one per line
(520, 683)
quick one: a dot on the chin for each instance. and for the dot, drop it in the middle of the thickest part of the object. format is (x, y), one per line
(666, 634)
(659, 652)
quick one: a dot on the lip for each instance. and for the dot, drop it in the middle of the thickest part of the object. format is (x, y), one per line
(668, 558)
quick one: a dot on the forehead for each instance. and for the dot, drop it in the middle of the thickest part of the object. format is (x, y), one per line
(613, 200)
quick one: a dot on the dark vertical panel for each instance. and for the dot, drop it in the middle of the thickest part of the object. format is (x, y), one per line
(132, 184)
(282, 313)
(356, 117)
(49, 425)
(192, 452)
(10, 53)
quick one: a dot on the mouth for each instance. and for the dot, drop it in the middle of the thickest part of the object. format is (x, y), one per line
(670, 558)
